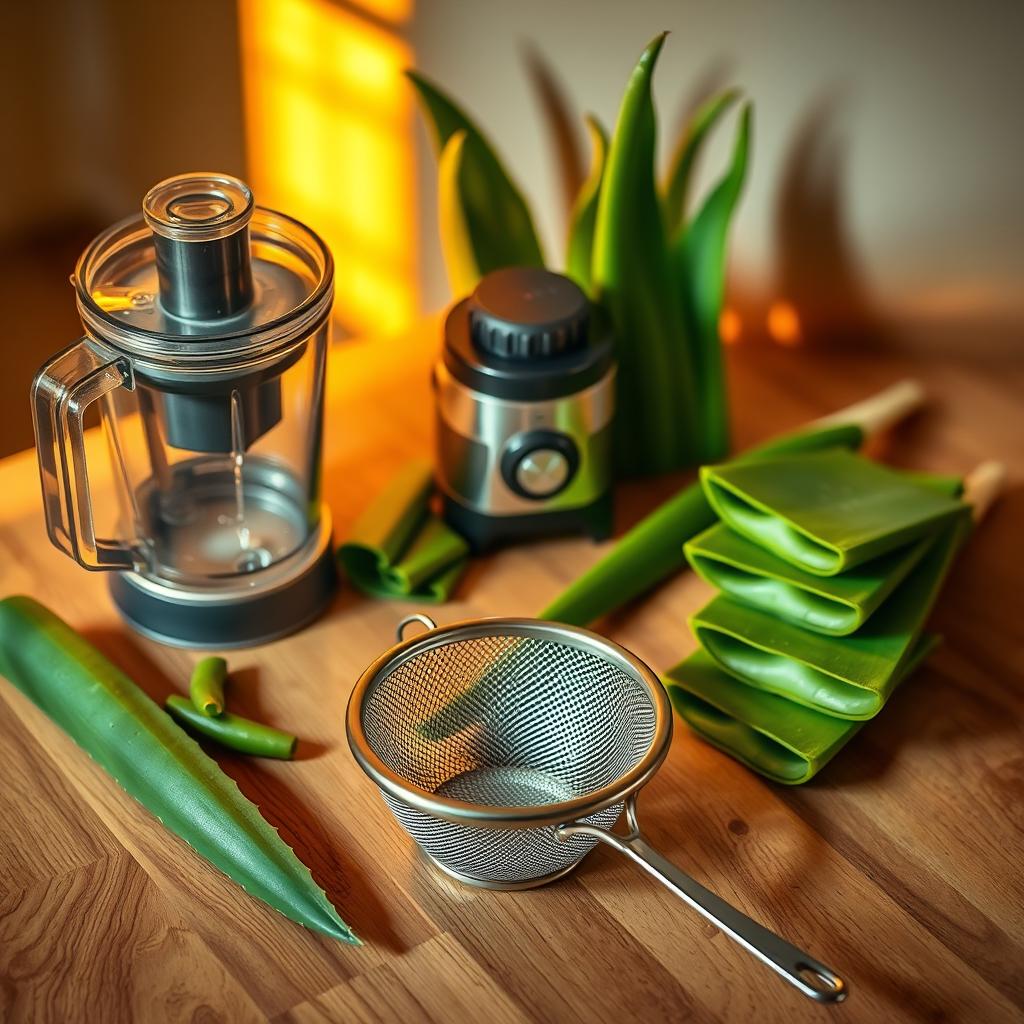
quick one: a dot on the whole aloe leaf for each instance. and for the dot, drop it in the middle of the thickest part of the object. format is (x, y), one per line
(579, 255)
(699, 254)
(497, 223)
(677, 183)
(132, 739)
(633, 279)
(457, 247)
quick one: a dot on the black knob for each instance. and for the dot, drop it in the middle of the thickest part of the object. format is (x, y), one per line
(528, 313)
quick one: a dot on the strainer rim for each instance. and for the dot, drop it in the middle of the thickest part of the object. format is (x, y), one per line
(479, 815)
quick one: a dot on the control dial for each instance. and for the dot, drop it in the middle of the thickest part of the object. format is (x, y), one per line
(539, 464)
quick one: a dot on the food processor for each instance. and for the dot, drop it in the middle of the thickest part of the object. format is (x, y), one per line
(525, 396)
(206, 328)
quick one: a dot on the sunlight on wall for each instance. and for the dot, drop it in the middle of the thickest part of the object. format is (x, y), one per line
(329, 141)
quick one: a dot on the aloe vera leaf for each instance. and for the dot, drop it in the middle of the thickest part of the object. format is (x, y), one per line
(206, 686)
(699, 256)
(633, 280)
(460, 259)
(579, 255)
(677, 182)
(156, 762)
(234, 731)
(494, 216)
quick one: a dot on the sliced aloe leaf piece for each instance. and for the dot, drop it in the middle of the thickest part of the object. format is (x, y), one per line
(824, 512)
(491, 211)
(848, 677)
(783, 741)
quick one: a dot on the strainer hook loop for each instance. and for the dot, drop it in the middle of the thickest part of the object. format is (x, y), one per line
(423, 620)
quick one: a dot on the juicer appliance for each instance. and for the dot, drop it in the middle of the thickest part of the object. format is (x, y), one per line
(525, 397)
(206, 327)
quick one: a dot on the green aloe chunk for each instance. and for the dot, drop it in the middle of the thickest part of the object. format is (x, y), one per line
(849, 677)
(206, 687)
(633, 279)
(156, 762)
(491, 210)
(399, 549)
(680, 175)
(835, 605)
(824, 512)
(579, 256)
(241, 734)
(783, 741)
(699, 256)
(653, 549)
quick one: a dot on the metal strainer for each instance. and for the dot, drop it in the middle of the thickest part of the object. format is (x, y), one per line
(508, 748)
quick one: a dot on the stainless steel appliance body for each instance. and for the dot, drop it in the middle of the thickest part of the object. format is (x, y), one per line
(206, 327)
(525, 395)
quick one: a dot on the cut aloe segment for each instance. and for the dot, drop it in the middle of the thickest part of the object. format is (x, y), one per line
(399, 549)
(824, 512)
(783, 741)
(849, 677)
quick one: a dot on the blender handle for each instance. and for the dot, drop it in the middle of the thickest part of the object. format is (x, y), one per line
(810, 976)
(62, 391)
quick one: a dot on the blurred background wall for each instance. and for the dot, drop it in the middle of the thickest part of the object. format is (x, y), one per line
(883, 204)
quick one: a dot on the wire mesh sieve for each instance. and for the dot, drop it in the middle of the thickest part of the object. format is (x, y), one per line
(508, 748)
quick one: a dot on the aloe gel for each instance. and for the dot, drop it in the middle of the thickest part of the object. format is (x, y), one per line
(827, 512)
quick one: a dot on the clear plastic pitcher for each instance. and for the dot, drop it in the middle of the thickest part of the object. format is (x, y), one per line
(206, 328)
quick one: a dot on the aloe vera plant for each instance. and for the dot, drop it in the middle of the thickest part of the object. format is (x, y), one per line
(655, 267)
(133, 740)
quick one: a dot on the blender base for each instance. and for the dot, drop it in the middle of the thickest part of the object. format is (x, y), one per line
(201, 618)
(484, 532)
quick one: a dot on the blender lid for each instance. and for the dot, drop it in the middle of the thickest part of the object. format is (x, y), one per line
(203, 273)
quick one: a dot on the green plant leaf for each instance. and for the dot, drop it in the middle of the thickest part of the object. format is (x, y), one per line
(633, 279)
(579, 255)
(699, 253)
(460, 257)
(138, 744)
(498, 228)
(677, 182)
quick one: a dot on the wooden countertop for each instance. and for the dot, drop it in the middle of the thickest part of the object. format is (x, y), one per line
(900, 866)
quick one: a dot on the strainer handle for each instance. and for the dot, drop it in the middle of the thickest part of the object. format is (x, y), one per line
(810, 976)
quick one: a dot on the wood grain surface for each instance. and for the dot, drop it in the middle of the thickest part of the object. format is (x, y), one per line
(901, 866)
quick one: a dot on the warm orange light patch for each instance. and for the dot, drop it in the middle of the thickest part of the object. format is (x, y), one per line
(730, 326)
(784, 323)
(328, 123)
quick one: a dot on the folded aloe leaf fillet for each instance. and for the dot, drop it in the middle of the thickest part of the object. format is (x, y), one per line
(399, 549)
(206, 686)
(834, 605)
(851, 676)
(652, 550)
(824, 513)
(784, 741)
(133, 740)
